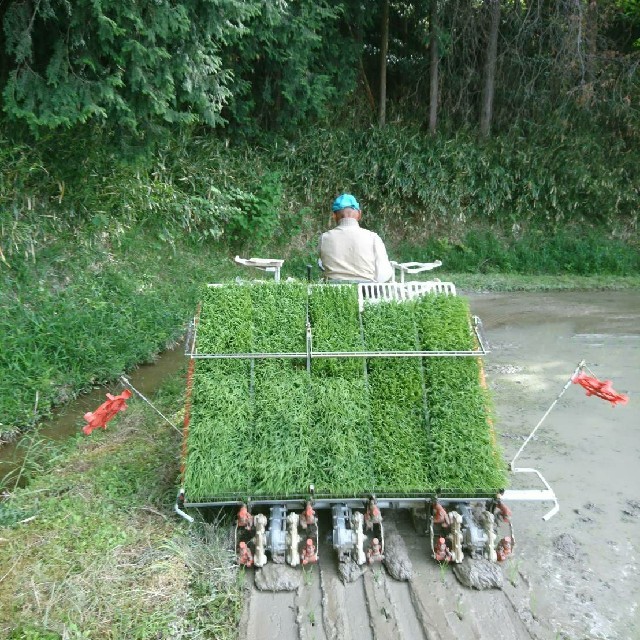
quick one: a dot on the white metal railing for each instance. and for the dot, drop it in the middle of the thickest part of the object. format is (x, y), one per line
(373, 292)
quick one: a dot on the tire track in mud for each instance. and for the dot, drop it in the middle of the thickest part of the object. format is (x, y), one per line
(268, 614)
(431, 606)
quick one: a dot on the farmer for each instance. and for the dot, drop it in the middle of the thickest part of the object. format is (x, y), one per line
(349, 253)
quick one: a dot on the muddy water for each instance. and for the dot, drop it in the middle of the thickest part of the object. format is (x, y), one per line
(577, 574)
(67, 421)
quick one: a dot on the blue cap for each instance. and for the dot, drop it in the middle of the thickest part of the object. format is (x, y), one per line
(343, 201)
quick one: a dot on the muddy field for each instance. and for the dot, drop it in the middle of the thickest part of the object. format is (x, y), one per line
(573, 577)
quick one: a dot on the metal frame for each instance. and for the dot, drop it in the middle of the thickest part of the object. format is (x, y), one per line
(270, 265)
(412, 267)
(402, 501)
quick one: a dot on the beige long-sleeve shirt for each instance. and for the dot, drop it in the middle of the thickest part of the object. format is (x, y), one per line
(349, 252)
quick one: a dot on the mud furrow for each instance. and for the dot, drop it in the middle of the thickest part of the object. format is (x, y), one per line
(334, 612)
(309, 602)
(382, 611)
(269, 616)
(345, 611)
(360, 624)
(410, 626)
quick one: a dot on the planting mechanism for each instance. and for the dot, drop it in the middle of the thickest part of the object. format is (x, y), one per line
(284, 528)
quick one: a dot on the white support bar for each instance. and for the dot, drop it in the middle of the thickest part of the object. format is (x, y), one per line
(528, 495)
(581, 364)
(412, 267)
(373, 292)
(270, 265)
(534, 495)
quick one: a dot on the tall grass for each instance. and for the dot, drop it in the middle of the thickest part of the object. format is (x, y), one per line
(414, 185)
(78, 318)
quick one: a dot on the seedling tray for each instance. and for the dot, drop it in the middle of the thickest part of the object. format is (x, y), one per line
(397, 408)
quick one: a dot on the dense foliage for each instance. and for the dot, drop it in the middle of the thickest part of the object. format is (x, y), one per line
(348, 426)
(256, 64)
(137, 65)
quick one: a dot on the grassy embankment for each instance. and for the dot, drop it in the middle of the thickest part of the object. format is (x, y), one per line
(87, 311)
(91, 548)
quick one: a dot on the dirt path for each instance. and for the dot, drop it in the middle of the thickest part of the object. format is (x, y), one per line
(574, 577)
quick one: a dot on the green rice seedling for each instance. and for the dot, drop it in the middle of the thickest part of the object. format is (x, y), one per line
(225, 324)
(281, 404)
(399, 427)
(279, 317)
(463, 451)
(258, 422)
(335, 322)
(219, 445)
(342, 454)
(282, 412)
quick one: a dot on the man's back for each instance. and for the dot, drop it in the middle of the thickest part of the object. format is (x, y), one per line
(349, 252)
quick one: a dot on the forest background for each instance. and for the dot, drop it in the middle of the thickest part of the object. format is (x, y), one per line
(144, 143)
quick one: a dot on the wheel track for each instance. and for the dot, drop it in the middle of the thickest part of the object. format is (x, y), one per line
(431, 606)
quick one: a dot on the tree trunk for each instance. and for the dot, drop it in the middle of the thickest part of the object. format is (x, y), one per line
(367, 87)
(488, 86)
(591, 35)
(433, 66)
(363, 74)
(384, 47)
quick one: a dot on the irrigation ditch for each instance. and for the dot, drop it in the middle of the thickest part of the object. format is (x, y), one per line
(67, 421)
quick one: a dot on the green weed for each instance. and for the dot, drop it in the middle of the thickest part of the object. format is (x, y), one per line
(307, 576)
